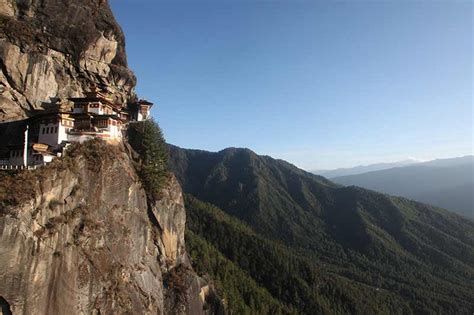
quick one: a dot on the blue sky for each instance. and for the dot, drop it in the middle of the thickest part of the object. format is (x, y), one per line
(322, 84)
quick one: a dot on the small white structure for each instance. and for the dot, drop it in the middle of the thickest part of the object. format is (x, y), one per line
(25, 147)
(94, 102)
(53, 129)
(36, 154)
(143, 110)
(109, 125)
(41, 155)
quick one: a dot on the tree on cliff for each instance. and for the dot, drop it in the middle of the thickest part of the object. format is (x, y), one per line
(146, 138)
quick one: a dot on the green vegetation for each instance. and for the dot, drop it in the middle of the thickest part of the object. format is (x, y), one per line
(147, 140)
(316, 247)
(302, 285)
(240, 292)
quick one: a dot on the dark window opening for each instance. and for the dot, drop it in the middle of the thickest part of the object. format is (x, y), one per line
(5, 307)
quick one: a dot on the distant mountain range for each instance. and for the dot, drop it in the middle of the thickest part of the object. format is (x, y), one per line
(446, 183)
(277, 239)
(362, 168)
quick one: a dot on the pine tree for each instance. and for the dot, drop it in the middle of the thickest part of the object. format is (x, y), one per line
(146, 138)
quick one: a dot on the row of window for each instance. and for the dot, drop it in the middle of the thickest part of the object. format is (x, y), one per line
(106, 123)
(19, 153)
(46, 130)
(102, 123)
(16, 153)
(91, 105)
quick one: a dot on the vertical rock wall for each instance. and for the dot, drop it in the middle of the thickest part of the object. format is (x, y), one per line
(89, 241)
(86, 239)
(58, 48)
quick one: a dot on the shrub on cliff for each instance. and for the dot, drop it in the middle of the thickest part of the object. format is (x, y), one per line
(147, 140)
(19, 186)
(15, 188)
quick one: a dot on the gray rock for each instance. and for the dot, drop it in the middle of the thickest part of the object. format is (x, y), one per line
(51, 48)
(89, 241)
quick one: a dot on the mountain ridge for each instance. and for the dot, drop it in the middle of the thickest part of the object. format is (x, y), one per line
(382, 241)
(345, 171)
(446, 183)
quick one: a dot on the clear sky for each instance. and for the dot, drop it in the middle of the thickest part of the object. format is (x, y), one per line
(322, 84)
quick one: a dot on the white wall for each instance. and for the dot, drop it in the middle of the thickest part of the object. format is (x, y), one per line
(142, 114)
(62, 133)
(53, 137)
(79, 138)
(50, 138)
(77, 110)
(114, 131)
(47, 158)
(96, 110)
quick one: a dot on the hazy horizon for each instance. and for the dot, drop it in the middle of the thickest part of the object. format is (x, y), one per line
(321, 85)
(313, 170)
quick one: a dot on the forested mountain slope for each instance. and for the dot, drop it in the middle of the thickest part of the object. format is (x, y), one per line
(316, 246)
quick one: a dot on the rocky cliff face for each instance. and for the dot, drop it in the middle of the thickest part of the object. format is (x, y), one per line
(80, 237)
(58, 48)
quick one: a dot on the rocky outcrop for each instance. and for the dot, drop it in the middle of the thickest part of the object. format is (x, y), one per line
(80, 236)
(52, 48)
(85, 239)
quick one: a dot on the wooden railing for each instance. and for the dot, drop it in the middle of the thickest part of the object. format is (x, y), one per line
(17, 167)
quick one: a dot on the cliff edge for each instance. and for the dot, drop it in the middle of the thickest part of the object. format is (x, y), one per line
(80, 236)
